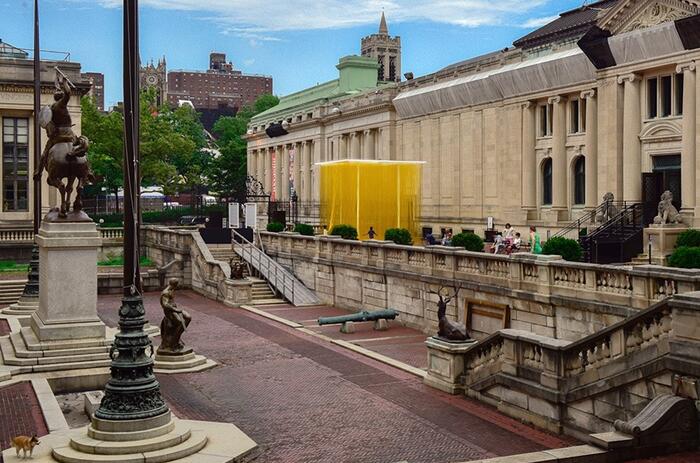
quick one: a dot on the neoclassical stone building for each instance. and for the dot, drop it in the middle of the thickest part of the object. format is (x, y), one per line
(603, 99)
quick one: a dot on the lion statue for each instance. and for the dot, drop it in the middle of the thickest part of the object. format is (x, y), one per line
(667, 211)
(609, 210)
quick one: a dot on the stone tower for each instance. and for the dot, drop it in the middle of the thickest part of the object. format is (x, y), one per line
(153, 75)
(386, 50)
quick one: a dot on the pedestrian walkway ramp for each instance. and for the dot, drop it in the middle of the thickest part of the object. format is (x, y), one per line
(282, 280)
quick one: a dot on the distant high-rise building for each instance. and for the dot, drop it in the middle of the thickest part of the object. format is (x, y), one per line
(221, 86)
(155, 76)
(386, 50)
(97, 88)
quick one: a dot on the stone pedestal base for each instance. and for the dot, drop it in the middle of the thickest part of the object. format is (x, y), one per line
(22, 308)
(446, 364)
(159, 439)
(663, 241)
(182, 362)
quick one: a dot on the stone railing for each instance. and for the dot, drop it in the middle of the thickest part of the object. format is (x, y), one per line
(556, 383)
(549, 276)
(196, 267)
(115, 233)
(15, 235)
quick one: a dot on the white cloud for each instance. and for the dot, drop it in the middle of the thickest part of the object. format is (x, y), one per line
(260, 20)
(538, 22)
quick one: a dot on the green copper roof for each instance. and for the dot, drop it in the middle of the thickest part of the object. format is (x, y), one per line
(356, 74)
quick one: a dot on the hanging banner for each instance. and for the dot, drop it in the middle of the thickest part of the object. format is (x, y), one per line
(251, 215)
(292, 159)
(234, 215)
(273, 189)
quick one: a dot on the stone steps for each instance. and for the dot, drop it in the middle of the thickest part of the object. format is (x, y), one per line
(178, 434)
(10, 291)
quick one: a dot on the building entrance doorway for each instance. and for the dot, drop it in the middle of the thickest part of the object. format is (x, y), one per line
(666, 175)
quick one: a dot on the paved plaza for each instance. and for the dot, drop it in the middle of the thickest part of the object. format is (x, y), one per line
(306, 400)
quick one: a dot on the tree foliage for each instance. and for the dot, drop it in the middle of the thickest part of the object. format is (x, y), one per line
(228, 170)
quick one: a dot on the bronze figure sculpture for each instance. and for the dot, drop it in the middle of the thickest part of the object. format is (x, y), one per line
(64, 155)
(667, 211)
(174, 323)
(447, 329)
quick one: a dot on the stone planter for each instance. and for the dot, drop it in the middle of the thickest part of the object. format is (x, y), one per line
(446, 364)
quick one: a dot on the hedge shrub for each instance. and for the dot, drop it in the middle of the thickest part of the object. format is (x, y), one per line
(567, 248)
(348, 232)
(469, 241)
(304, 229)
(399, 236)
(689, 238)
(275, 227)
(685, 257)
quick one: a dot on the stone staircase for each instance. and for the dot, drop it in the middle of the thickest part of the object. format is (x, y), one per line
(24, 350)
(262, 292)
(10, 291)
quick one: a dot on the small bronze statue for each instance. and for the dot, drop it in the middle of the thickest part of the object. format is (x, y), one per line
(447, 329)
(667, 211)
(237, 270)
(65, 153)
(174, 323)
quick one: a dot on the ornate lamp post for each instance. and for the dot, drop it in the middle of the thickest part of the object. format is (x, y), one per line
(132, 391)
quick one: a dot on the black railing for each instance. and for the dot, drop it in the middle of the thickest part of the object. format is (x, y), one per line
(619, 240)
(600, 215)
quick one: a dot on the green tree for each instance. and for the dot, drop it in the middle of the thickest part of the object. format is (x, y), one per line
(227, 172)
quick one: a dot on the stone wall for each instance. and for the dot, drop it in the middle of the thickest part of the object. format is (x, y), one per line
(543, 294)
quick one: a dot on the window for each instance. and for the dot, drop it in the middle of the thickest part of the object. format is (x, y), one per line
(577, 116)
(546, 112)
(15, 163)
(580, 180)
(665, 96)
(547, 182)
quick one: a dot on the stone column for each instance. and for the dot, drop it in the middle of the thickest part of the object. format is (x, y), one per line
(268, 170)
(631, 147)
(529, 158)
(278, 172)
(315, 190)
(343, 147)
(589, 96)
(559, 164)
(354, 146)
(688, 150)
(368, 151)
(308, 166)
(297, 169)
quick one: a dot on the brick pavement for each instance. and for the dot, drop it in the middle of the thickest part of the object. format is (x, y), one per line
(4, 327)
(305, 400)
(399, 342)
(20, 413)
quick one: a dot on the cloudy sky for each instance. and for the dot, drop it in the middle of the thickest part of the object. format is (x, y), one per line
(297, 42)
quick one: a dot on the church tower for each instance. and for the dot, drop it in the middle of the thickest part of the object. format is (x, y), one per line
(153, 75)
(386, 50)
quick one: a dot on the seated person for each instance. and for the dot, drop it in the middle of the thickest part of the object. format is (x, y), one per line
(517, 242)
(508, 232)
(430, 239)
(498, 243)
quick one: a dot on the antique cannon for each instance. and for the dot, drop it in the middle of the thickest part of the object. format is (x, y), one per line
(379, 318)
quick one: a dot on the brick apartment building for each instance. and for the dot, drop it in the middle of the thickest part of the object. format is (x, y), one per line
(97, 87)
(220, 87)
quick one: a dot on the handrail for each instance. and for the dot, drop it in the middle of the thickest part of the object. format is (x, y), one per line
(631, 208)
(589, 217)
(281, 279)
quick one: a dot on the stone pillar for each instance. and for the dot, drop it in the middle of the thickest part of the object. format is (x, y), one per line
(268, 170)
(559, 164)
(631, 147)
(67, 282)
(343, 147)
(315, 190)
(278, 172)
(529, 158)
(354, 146)
(368, 151)
(589, 96)
(308, 169)
(688, 150)
(298, 155)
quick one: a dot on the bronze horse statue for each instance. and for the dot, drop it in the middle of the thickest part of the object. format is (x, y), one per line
(64, 156)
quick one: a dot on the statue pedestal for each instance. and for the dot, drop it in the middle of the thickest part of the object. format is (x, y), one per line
(663, 241)
(64, 332)
(181, 362)
(446, 364)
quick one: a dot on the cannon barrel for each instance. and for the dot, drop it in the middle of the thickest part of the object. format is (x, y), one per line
(364, 316)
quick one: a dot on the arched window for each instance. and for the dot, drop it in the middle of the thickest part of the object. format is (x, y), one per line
(580, 180)
(547, 182)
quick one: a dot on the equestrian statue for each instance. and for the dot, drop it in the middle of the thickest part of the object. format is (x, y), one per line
(64, 156)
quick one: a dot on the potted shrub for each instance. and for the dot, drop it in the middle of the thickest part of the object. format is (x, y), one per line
(275, 227)
(347, 232)
(468, 241)
(685, 257)
(567, 248)
(399, 236)
(304, 229)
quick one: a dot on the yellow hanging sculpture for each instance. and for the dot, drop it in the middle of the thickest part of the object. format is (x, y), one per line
(377, 194)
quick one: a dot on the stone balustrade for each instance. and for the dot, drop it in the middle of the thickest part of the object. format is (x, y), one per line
(12, 235)
(546, 294)
(590, 383)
